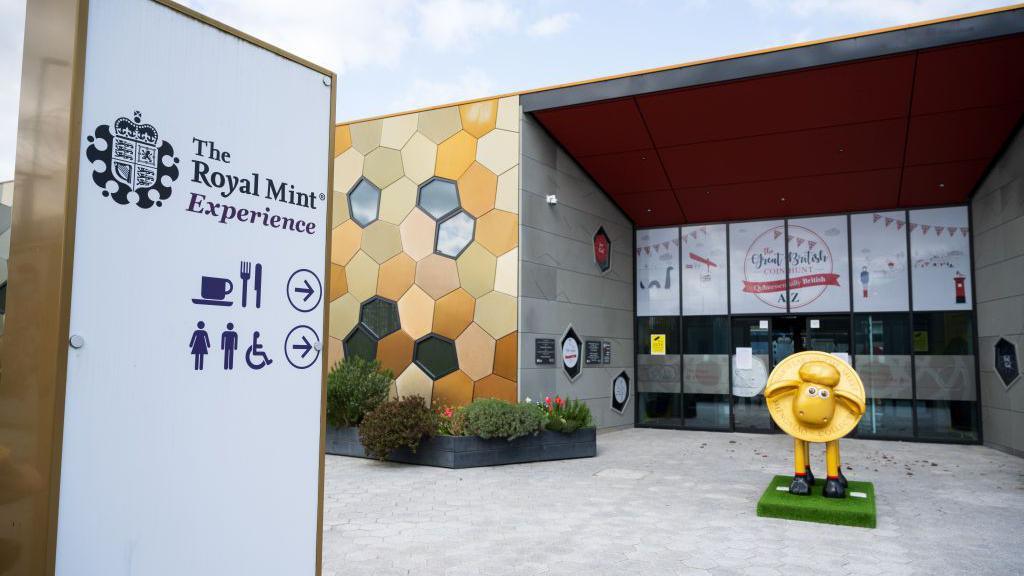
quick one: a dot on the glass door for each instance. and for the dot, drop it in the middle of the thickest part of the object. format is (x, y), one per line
(750, 367)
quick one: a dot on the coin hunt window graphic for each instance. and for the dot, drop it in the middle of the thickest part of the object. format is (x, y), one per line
(131, 164)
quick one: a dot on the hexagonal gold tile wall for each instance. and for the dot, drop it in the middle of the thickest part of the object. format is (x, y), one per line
(453, 313)
(413, 382)
(475, 348)
(455, 389)
(437, 275)
(396, 276)
(470, 299)
(394, 352)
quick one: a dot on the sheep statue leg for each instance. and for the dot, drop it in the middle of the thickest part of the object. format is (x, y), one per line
(807, 461)
(799, 486)
(839, 460)
(833, 488)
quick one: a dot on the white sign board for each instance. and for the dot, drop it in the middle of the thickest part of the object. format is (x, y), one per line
(193, 411)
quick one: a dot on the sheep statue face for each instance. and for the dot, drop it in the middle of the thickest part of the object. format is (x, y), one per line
(815, 396)
(814, 403)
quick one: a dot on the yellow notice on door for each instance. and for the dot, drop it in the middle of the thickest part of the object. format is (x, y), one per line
(658, 344)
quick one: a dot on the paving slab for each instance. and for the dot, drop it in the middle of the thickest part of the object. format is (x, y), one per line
(674, 502)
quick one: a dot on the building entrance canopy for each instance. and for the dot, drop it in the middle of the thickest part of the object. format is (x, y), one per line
(897, 118)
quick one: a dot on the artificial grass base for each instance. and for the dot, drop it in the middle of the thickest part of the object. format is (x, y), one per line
(849, 511)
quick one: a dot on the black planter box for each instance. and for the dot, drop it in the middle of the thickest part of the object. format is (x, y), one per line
(473, 451)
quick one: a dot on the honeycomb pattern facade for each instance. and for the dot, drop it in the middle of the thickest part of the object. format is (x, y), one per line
(426, 281)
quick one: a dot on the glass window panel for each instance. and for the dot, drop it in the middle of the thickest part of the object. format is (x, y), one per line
(438, 197)
(379, 316)
(658, 377)
(819, 265)
(944, 375)
(757, 266)
(361, 343)
(940, 256)
(455, 234)
(706, 372)
(827, 334)
(882, 347)
(705, 275)
(657, 272)
(436, 356)
(749, 410)
(879, 252)
(364, 202)
(6, 203)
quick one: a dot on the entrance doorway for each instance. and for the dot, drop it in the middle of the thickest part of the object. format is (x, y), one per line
(771, 339)
(792, 334)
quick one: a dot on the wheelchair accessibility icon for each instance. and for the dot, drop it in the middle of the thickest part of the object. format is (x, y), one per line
(255, 357)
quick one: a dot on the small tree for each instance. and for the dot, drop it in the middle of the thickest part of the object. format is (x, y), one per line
(396, 424)
(355, 387)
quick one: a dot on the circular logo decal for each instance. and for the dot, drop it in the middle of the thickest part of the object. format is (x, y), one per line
(570, 353)
(621, 389)
(810, 268)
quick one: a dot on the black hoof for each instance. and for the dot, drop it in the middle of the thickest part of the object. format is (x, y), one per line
(834, 489)
(799, 486)
(842, 480)
(810, 476)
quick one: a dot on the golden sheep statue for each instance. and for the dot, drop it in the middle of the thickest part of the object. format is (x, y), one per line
(815, 397)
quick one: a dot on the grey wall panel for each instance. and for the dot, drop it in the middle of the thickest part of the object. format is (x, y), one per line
(559, 282)
(997, 212)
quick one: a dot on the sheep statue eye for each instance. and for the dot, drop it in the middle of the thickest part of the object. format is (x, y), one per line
(823, 393)
(812, 391)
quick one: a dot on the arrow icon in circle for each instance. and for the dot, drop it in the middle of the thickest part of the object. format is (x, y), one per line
(305, 347)
(307, 290)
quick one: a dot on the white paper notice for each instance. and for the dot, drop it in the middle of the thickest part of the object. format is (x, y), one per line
(842, 356)
(763, 324)
(744, 358)
(815, 323)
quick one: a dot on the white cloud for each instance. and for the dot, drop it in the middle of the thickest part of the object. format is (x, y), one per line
(458, 24)
(473, 83)
(551, 25)
(340, 35)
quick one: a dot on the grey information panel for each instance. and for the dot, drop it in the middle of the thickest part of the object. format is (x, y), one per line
(592, 352)
(544, 351)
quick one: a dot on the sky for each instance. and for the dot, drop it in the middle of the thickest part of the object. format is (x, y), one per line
(394, 55)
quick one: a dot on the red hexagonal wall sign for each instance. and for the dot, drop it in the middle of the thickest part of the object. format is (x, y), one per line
(602, 250)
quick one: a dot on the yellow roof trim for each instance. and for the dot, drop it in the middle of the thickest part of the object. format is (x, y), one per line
(704, 61)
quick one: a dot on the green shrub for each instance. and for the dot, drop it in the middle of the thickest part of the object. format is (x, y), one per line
(355, 387)
(394, 424)
(492, 418)
(568, 417)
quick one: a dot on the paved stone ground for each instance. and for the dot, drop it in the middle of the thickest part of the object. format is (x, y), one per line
(659, 502)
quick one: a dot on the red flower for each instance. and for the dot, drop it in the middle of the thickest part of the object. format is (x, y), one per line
(547, 400)
(559, 401)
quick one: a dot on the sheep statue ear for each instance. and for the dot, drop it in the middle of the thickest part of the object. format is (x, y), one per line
(781, 387)
(854, 404)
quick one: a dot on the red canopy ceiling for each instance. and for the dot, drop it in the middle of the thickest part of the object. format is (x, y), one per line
(912, 129)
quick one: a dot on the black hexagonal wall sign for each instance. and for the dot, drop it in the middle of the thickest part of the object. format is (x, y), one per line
(602, 250)
(620, 392)
(1007, 363)
(571, 345)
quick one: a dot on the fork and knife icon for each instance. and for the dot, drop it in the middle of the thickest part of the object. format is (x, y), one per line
(257, 281)
(214, 290)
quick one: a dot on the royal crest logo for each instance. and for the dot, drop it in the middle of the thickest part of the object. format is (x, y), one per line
(136, 166)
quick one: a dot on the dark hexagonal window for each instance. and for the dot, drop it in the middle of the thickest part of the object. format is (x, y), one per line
(364, 202)
(436, 356)
(379, 316)
(360, 343)
(438, 197)
(454, 234)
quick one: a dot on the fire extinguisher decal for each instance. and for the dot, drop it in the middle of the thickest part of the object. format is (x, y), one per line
(864, 279)
(961, 290)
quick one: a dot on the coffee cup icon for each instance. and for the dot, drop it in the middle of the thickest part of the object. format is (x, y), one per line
(214, 290)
